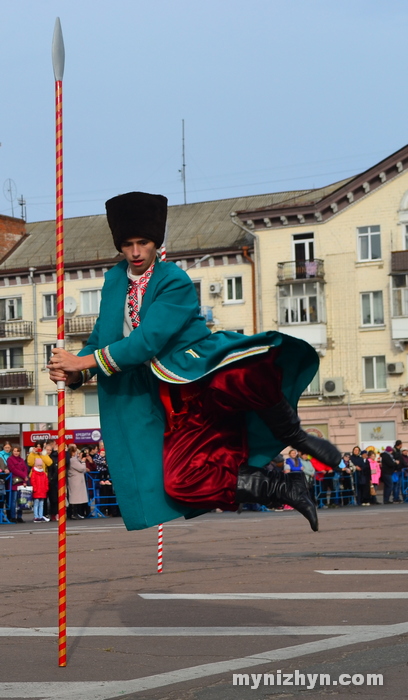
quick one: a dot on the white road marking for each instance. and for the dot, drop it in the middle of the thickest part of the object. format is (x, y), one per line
(75, 530)
(305, 630)
(108, 690)
(6, 537)
(363, 572)
(341, 595)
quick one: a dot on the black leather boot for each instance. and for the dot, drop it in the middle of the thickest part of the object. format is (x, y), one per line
(274, 488)
(284, 423)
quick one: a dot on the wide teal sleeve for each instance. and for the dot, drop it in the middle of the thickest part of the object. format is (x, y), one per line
(174, 306)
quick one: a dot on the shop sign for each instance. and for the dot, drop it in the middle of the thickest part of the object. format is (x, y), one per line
(80, 437)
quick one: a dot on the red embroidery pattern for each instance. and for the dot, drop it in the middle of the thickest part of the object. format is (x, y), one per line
(133, 302)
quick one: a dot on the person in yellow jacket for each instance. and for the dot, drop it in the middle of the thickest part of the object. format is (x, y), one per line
(32, 456)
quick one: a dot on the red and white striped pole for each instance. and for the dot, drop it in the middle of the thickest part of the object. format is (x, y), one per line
(58, 60)
(160, 527)
(160, 549)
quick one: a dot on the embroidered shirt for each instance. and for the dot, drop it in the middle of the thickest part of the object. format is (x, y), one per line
(137, 286)
(131, 319)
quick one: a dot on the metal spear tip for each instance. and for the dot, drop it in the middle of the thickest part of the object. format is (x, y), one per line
(58, 51)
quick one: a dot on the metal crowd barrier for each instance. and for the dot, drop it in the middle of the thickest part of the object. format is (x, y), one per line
(336, 489)
(5, 498)
(99, 503)
(404, 484)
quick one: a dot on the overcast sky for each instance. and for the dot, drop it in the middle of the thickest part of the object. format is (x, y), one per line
(276, 95)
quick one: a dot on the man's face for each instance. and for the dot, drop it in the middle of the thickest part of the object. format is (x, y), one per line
(140, 254)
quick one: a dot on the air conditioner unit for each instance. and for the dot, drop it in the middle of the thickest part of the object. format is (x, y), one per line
(395, 368)
(215, 288)
(333, 386)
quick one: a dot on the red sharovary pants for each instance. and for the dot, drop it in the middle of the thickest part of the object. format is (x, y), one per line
(205, 440)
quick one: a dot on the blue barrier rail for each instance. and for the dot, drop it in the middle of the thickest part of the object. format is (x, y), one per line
(102, 499)
(337, 490)
(5, 498)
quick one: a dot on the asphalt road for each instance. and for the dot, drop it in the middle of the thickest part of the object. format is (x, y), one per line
(128, 639)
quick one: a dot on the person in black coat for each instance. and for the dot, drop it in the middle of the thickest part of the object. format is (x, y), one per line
(52, 479)
(363, 475)
(364, 480)
(397, 489)
(388, 467)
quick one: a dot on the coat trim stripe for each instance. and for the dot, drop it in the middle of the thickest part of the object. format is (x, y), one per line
(167, 375)
(106, 361)
(86, 375)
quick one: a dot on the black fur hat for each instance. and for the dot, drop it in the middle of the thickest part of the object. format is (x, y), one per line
(137, 214)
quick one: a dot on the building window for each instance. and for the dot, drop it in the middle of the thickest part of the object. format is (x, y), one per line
(301, 303)
(50, 305)
(197, 287)
(48, 352)
(12, 400)
(51, 399)
(11, 358)
(11, 309)
(314, 387)
(406, 237)
(374, 373)
(372, 311)
(90, 301)
(234, 289)
(400, 295)
(369, 243)
(303, 246)
(91, 403)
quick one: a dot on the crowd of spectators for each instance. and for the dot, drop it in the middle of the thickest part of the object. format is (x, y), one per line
(356, 481)
(358, 478)
(89, 487)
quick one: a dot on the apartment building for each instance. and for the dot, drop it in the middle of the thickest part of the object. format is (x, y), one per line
(329, 266)
(334, 272)
(202, 240)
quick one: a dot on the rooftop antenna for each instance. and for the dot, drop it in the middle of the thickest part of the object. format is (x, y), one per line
(183, 164)
(10, 192)
(22, 203)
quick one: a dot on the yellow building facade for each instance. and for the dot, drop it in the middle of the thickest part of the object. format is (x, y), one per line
(329, 266)
(335, 273)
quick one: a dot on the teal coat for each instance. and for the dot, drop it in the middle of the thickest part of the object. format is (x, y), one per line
(173, 344)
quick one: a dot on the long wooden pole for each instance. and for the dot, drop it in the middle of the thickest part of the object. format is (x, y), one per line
(163, 257)
(58, 59)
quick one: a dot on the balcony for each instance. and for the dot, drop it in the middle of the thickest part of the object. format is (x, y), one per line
(80, 325)
(16, 330)
(399, 330)
(207, 313)
(11, 380)
(302, 312)
(300, 270)
(399, 320)
(399, 261)
(92, 381)
(313, 333)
